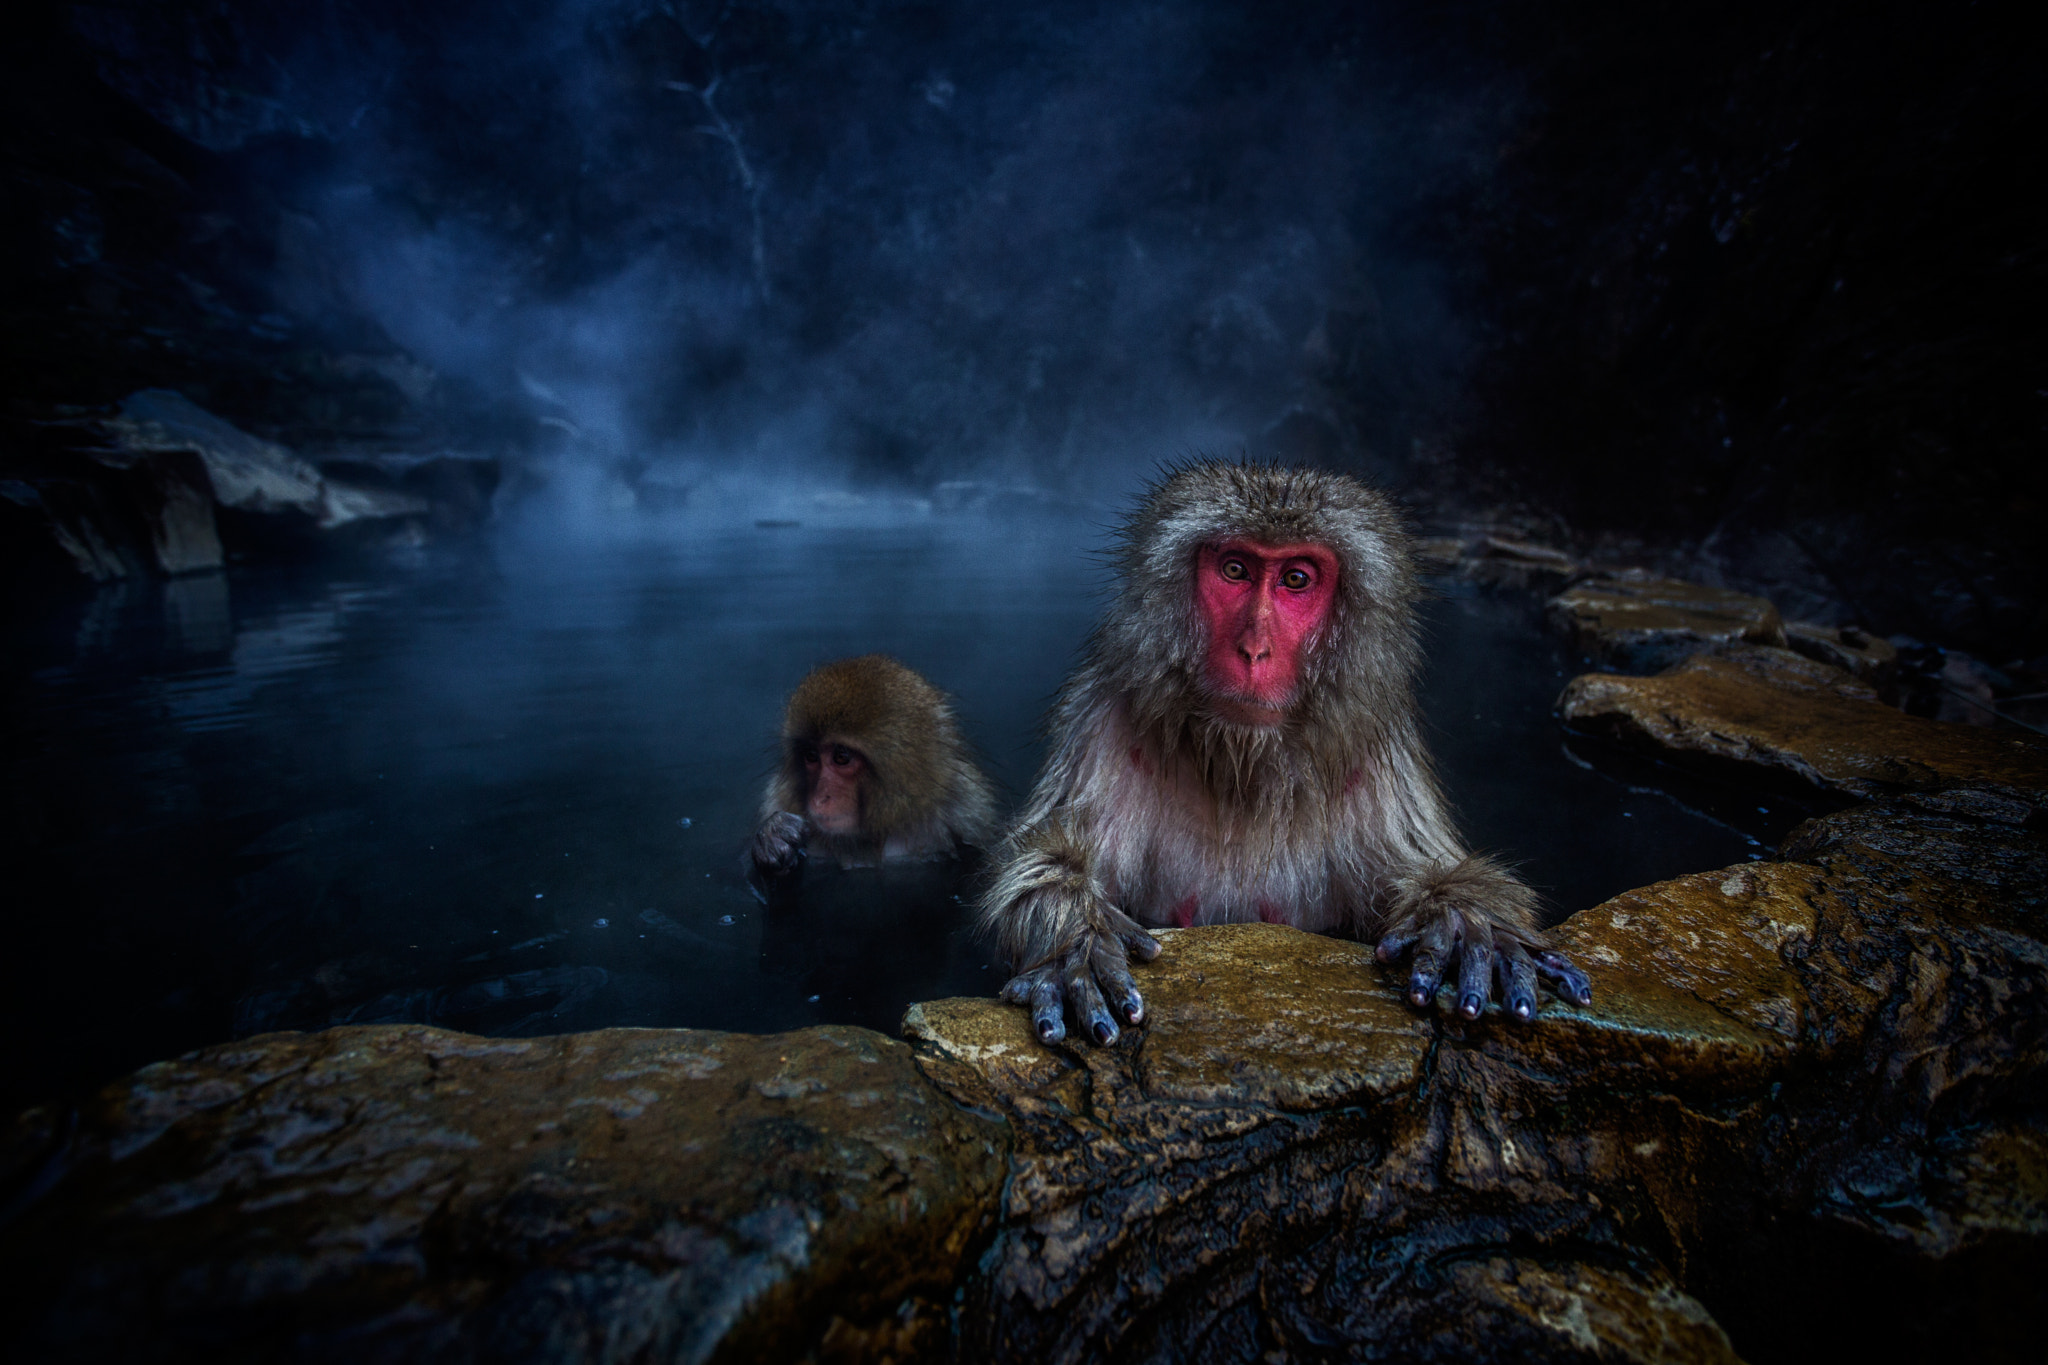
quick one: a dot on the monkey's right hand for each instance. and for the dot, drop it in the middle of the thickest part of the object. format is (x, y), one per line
(1091, 975)
(779, 842)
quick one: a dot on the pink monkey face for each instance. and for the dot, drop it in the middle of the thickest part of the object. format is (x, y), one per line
(1263, 605)
(833, 773)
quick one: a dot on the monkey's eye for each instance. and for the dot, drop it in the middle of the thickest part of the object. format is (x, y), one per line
(1296, 579)
(1235, 570)
(807, 753)
(841, 755)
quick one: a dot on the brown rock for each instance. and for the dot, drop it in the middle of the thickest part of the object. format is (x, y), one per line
(1719, 715)
(1794, 672)
(630, 1194)
(1440, 554)
(1639, 623)
(1543, 558)
(1496, 557)
(1869, 657)
(1806, 1108)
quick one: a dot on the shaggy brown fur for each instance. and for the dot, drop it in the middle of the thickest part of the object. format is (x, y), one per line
(1154, 809)
(923, 797)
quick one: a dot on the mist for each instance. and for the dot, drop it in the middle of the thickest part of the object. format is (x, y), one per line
(1039, 248)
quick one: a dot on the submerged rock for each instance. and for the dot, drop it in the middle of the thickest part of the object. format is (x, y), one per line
(1803, 1114)
(1639, 623)
(1729, 714)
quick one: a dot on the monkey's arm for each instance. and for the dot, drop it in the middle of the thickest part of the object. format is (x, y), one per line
(1071, 945)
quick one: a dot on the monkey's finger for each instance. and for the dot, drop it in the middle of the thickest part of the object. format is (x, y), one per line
(1517, 981)
(1017, 990)
(1130, 934)
(1567, 980)
(1048, 1013)
(1475, 972)
(1089, 1007)
(1115, 977)
(1428, 968)
(1393, 945)
(1138, 943)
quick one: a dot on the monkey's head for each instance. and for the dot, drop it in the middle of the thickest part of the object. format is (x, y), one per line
(1258, 596)
(866, 747)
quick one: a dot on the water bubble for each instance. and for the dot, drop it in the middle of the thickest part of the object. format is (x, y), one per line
(814, 1000)
(683, 823)
(601, 924)
(725, 919)
(537, 895)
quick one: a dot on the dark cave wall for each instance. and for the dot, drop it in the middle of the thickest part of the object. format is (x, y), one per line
(1756, 282)
(1771, 279)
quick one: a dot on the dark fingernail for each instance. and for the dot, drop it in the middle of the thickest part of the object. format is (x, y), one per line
(1524, 1009)
(1418, 996)
(1105, 1032)
(1471, 1005)
(1585, 997)
(1134, 1008)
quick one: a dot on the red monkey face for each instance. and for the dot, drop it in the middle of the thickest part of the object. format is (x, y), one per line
(833, 774)
(1263, 605)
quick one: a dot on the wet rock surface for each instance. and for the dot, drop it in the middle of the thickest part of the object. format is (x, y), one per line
(1800, 723)
(1639, 622)
(1805, 1113)
(1856, 651)
(159, 485)
(380, 1193)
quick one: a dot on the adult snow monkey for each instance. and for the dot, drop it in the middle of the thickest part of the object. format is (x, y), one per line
(1240, 742)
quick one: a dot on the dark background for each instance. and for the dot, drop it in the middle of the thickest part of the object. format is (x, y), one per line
(1758, 285)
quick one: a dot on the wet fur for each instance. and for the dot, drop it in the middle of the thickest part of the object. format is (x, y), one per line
(924, 796)
(1331, 822)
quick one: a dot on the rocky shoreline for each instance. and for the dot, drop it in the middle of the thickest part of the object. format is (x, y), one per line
(1804, 1115)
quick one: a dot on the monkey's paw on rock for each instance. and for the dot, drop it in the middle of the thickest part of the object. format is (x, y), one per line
(1087, 976)
(1485, 956)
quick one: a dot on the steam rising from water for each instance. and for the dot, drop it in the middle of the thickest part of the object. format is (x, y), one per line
(1044, 245)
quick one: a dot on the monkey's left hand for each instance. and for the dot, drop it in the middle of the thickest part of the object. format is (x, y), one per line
(1485, 951)
(1090, 975)
(779, 842)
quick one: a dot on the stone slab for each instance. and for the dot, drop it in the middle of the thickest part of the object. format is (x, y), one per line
(404, 1192)
(1639, 623)
(1720, 716)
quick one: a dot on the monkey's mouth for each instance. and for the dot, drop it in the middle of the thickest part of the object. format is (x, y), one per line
(1262, 715)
